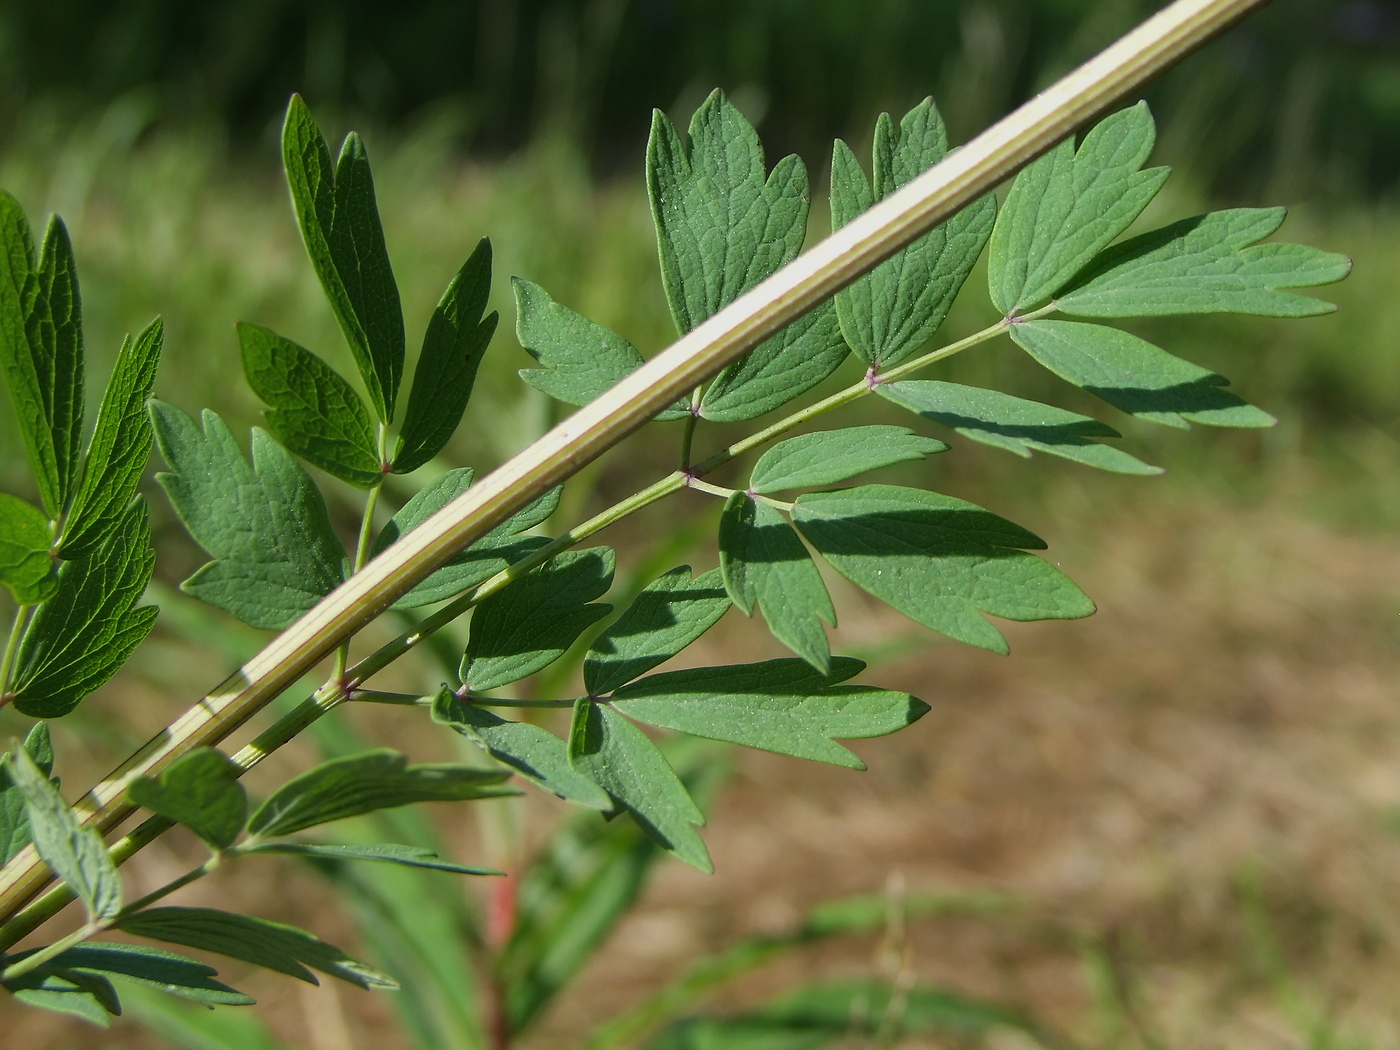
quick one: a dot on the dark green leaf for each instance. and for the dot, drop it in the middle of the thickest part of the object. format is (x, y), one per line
(1132, 374)
(171, 973)
(312, 410)
(120, 446)
(266, 525)
(581, 359)
(830, 456)
(1205, 265)
(76, 854)
(348, 787)
(200, 791)
(26, 566)
(778, 705)
(384, 853)
(531, 622)
(896, 308)
(1014, 424)
(273, 945)
(340, 226)
(662, 620)
(14, 818)
(453, 346)
(78, 995)
(41, 350)
(81, 636)
(765, 564)
(1068, 206)
(938, 560)
(614, 753)
(529, 750)
(720, 226)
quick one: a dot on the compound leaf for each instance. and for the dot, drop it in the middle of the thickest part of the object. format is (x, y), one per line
(938, 560)
(1135, 376)
(171, 973)
(830, 456)
(200, 791)
(619, 757)
(312, 410)
(26, 566)
(14, 818)
(265, 525)
(1014, 424)
(382, 852)
(453, 346)
(893, 310)
(765, 564)
(1206, 265)
(272, 945)
(1066, 207)
(356, 784)
(778, 705)
(669, 614)
(340, 226)
(81, 636)
(531, 622)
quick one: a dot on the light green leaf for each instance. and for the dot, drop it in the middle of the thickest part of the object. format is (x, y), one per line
(120, 446)
(26, 566)
(41, 350)
(531, 622)
(1132, 374)
(663, 619)
(581, 359)
(340, 226)
(14, 818)
(312, 410)
(81, 636)
(76, 854)
(778, 705)
(1206, 265)
(453, 346)
(938, 560)
(1014, 424)
(893, 310)
(200, 791)
(189, 1027)
(266, 525)
(834, 455)
(78, 995)
(765, 564)
(272, 945)
(529, 750)
(383, 852)
(171, 973)
(1068, 206)
(356, 784)
(614, 753)
(721, 227)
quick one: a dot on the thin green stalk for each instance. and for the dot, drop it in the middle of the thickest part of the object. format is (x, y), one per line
(44, 954)
(691, 421)
(494, 701)
(7, 661)
(362, 549)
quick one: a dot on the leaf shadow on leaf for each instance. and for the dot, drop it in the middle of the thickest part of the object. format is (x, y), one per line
(1188, 399)
(1077, 432)
(592, 576)
(652, 612)
(961, 533)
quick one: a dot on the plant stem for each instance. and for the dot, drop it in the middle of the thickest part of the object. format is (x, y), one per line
(362, 548)
(17, 628)
(44, 954)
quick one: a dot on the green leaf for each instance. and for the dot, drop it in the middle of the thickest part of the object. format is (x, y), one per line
(453, 346)
(383, 852)
(497, 550)
(892, 311)
(192, 1028)
(1068, 206)
(26, 566)
(272, 945)
(356, 784)
(663, 619)
(1206, 265)
(1135, 376)
(14, 818)
(614, 753)
(765, 564)
(529, 750)
(582, 359)
(834, 455)
(721, 227)
(340, 226)
(78, 995)
(171, 973)
(531, 622)
(76, 854)
(81, 636)
(778, 705)
(312, 410)
(779, 369)
(266, 525)
(1014, 424)
(938, 560)
(41, 350)
(200, 791)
